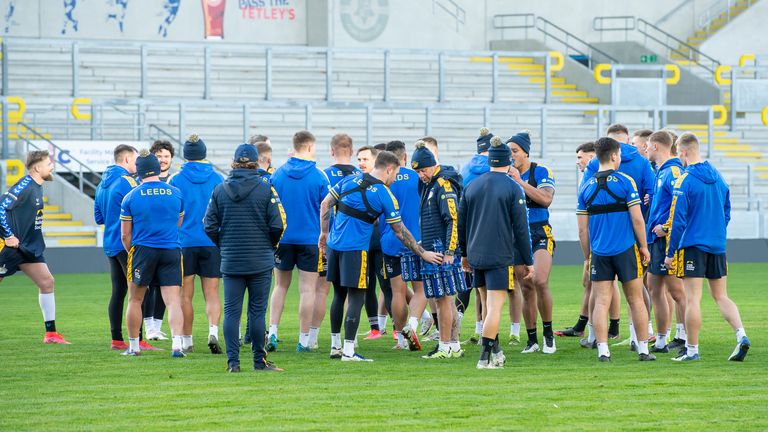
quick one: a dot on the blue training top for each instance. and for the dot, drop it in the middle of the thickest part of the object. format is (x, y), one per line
(658, 214)
(21, 215)
(609, 233)
(405, 188)
(196, 181)
(544, 179)
(301, 187)
(154, 208)
(349, 233)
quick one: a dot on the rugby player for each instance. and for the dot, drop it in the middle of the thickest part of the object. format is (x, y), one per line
(700, 212)
(359, 202)
(302, 187)
(538, 183)
(493, 230)
(612, 236)
(661, 280)
(151, 215)
(22, 245)
(242, 202)
(196, 180)
(439, 233)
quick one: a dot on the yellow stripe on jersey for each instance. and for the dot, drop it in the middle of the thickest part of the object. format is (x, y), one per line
(131, 181)
(633, 203)
(362, 282)
(680, 262)
(2, 244)
(125, 218)
(280, 209)
(631, 180)
(550, 239)
(639, 262)
(394, 200)
(333, 193)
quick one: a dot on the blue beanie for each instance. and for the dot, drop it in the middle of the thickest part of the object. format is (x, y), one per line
(422, 157)
(499, 155)
(147, 165)
(194, 148)
(523, 140)
(484, 140)
(246, 153)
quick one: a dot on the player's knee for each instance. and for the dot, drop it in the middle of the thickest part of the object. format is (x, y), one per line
(46, 285)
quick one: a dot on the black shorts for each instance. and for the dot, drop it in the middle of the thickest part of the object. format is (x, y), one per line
(12, 258)
(306, 257)
(156, 267)
(500, 278)
(348, 268)
(541, 239)
(627, 266)
(658, 254)
(696, 263)
(203, 261)
(391, 268)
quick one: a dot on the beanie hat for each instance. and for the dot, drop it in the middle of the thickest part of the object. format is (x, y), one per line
(147, 164)
(194, 148)
(499, 155)
(523, 139)
(484, 140)
(246, 153)
(422, 157)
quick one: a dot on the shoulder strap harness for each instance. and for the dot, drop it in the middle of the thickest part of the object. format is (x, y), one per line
(369, 215)
(602, 184)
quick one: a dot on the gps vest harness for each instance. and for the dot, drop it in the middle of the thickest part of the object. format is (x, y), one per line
(369, 215)
(602, 184)
(532, 181)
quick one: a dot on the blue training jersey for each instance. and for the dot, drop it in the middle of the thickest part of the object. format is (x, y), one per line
(405, 188)
(544, 179)
(21, 215)
(661, 201)
(349, 233)
(609, 233)
(301, 187)
(338, 172)
(154, 208)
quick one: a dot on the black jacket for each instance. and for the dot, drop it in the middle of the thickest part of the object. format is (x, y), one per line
(493, 222)
(246, 221)
(439, 211)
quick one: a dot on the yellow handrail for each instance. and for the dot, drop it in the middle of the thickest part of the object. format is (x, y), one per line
(559, 64)
(16, 115)
(722, 118)
(719, 75)
(14, 170)
(745, 58)
(76, 102)
(764, 116)
(675, 69)
(598, 71)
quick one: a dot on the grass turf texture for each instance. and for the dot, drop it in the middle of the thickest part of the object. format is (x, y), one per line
(85, 386)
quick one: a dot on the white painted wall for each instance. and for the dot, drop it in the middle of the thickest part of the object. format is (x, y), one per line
(746, 34)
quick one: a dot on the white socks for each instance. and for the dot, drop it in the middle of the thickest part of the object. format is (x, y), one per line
(401, 340)
(602, 349)
(478, 327)
(186, 341)
(272, 330)
(47, 306)
(180, 342)
(383, 322)
(213, 330)
(149, 324)
(514, 329)
(336, 340)
(632, 334)
(740, 333)
(444, 346)
(349, 348)
(133, 344)
(313, 332)
(455, 346)
(692, 350)
(592, 336)
(642, 347)
(413, 323)
(304, 339)
(661, 340)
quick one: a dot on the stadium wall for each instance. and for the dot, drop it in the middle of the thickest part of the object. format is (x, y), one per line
(445, 24)
(748, 29)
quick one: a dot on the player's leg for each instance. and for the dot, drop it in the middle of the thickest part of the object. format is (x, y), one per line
(542, 268)
(258, 296)
(337, 318)
(117, 299)
(515, 296)
(187, 293)
(322, 288)
(529, 312)
(692, 286)
(445, 316)
(133, 317)
(614, 313)
(172, 299)
(462, 304)
(307, 287)
(371, 300)
(490, 354)
(355, 300)
(158, 314)
(601, 293)
(41, 276)
(406, 336)
(417, 305)
(633, 291)
(385, 300)
(677, 293)
(729, 311)
(276, 305)
(212, 311)
(658, 291)
(234, 290)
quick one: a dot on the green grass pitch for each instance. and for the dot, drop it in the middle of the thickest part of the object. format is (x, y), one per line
(85, 386)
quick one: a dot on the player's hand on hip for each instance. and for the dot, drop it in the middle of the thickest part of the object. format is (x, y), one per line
(528, 272)
(432, 257)
(669, 263)
(465, 267)
(645, 255)
(12, 241)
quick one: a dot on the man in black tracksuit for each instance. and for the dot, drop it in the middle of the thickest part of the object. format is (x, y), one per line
(493, 229)
(246, 220)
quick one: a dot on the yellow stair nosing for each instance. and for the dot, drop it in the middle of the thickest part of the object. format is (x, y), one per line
(726, 140)
(77, 242)
(738, 147)
(579, 100)
(86, 234)
(762, 168)
(61, 223)
(57, 216)
(755, 155)
(553, 80)
(479, 59)
(524, 66)
(571, 93)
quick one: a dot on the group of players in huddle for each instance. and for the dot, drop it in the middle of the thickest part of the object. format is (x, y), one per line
(651, 213)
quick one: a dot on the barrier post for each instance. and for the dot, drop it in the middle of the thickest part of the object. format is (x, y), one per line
(143, 55)
(386, 75)
(307, 117)
(494, 77)
(206, 73)
(328, 75)
(4, 63)
(5, 117)
(369, 124)
(547, 73)
(75, 69)
(268, 74)
(441, 77)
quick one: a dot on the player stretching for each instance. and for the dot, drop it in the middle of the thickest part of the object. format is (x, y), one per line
(22, 245)
(701, 210)
(151, 215)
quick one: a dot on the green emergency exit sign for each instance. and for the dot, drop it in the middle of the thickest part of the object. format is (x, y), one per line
(648, 58)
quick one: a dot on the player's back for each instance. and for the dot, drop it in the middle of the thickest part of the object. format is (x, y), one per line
(405, 189)
(301, 187)
(23, 215)
(154, 208)
(606, 197)
(708, 211)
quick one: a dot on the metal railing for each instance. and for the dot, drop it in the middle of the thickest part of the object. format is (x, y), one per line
(673, 11)
(623, 23)
(723, 7)
(80, 174)
(453, 9)
(682, 49)
(522, 21)
(322, 55)
(572, 43)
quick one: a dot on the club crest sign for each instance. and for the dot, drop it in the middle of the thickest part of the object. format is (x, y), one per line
(364, 20)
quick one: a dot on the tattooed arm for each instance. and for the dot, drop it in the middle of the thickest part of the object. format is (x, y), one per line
(325, 220)
(408, 241)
